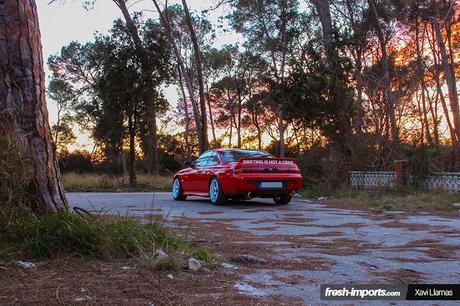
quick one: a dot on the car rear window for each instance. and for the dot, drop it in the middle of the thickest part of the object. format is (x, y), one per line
(235, 155)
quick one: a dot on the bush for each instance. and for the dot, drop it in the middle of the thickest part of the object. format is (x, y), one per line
(77, 161)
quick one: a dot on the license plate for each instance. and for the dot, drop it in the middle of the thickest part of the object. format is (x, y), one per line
(271, 185)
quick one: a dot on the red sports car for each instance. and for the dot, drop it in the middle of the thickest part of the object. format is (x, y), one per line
(238, 174)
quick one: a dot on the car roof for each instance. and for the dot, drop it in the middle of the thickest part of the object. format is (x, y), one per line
(235, 149)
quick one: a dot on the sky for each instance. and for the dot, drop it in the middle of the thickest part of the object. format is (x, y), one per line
(64, 21)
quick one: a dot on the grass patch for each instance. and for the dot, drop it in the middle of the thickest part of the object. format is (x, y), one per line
(44, 236)
(75, 182)
(203, 254)
(405, 200)
(26, 233)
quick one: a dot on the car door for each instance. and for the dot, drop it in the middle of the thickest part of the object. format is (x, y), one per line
(206, 172)
(196, 173)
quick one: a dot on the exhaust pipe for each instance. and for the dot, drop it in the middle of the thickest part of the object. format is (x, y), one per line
(249, 195)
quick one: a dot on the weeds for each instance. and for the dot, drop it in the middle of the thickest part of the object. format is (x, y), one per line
(203, 254)
(25, 233)
(45, 236)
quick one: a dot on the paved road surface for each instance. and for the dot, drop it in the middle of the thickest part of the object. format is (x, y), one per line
(356, 246)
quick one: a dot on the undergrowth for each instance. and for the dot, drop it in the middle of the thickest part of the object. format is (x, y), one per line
(26, 232)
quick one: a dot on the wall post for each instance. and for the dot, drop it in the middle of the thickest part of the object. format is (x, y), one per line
(347, 168)
(400, 167)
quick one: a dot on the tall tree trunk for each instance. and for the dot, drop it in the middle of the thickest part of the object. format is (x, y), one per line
(132, 150)
(449, 73)
(358, 56)
(421, 73)
(24, 116)
(238, 122)
(388, 94)
(199, 71)
(281, 127)
(211, 118)
(335, 71)
(149, 93)
(324, 13)
(230, 133)
(439, 91)
(255, 121)
(187, 120)
(188, 82)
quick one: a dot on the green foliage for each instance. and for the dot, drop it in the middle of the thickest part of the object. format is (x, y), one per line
(203, 254)
(106, 80)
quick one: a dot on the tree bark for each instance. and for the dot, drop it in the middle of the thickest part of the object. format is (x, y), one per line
(24, 116)
(324, 13)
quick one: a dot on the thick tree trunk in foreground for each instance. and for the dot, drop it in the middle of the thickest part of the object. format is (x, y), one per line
(24, 115)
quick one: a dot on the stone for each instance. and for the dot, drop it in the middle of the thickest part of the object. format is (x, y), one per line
(83, 299)
(228, 266)
(248, 259)
(194, 264)
(160, 255)
(26, 264)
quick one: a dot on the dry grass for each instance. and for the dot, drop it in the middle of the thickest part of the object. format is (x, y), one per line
(411, 201)
(105, 182)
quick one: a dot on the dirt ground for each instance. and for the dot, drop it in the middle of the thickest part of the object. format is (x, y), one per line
(264, 255)
(70, 281)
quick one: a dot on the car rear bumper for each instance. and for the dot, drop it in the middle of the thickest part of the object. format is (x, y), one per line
(244, 183)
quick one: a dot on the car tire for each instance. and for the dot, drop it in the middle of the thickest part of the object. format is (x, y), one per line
(177, 190)
(282, 199)
(216, 194)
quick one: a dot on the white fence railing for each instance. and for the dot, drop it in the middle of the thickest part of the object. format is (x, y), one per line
(449, 181)
(372, 179)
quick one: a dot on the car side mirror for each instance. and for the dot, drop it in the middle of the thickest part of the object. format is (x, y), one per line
(188, 164)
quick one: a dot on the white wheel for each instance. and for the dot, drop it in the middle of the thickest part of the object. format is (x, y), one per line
(216, 193)
(177, 191)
